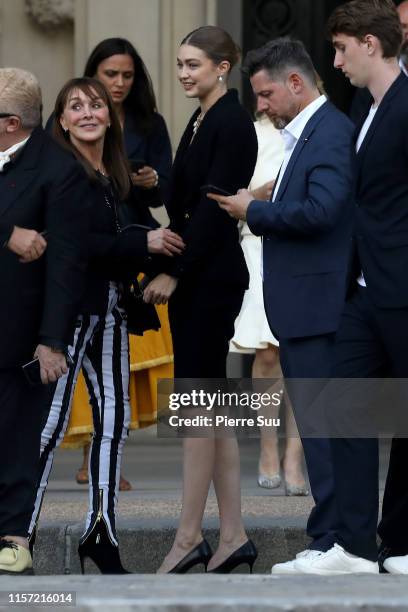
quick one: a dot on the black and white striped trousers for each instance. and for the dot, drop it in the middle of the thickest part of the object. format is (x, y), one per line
(101, 348)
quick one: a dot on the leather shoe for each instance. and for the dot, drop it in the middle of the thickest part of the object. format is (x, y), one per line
(14, 559)
(334, 562)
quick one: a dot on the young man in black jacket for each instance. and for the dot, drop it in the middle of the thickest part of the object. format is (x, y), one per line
(43, 223)
(372, 341)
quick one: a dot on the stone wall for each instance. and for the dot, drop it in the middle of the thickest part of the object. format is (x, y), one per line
(53, 38)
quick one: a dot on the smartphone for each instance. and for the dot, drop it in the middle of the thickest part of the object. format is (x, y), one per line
(137, 164)
(216, 190)
(32, 372)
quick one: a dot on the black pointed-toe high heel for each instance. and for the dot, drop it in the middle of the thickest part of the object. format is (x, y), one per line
(99, 547)
(247, 553)
(202, 553)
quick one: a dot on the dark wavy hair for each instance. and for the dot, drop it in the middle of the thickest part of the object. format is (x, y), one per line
(114, 157)
(141, 101)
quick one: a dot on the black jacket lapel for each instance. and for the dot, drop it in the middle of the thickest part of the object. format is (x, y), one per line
(381, 111)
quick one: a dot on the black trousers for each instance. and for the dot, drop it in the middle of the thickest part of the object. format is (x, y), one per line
(21, 421)
(371, 343)
(310, 359)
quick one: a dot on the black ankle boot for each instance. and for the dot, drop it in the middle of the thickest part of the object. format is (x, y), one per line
(99, 547)
(247, 553)
(202, 553)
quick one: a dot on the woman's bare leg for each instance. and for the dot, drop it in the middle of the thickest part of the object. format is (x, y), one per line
(227, 486)
(293, 456)
(198, 467)
(266, 365)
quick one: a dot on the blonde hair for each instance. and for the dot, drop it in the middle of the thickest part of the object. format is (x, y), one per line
(20, 94)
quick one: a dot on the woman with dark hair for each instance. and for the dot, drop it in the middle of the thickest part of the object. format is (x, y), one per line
(206, 284)
(87, 125)
(116, 63)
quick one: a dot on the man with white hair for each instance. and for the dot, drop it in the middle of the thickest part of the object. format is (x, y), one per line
(43, 223)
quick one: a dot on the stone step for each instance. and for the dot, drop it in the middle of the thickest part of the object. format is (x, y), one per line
(145, 542)
(200, 593)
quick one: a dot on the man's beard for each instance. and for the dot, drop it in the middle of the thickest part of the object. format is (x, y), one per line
(280, 122)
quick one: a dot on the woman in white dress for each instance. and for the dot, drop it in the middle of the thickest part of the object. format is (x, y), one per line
(252, 332)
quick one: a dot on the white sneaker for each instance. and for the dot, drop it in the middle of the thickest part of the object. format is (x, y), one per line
(336, 561)
(289, 567)
(396, 565)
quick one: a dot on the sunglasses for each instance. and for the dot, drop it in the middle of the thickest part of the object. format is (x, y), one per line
(4, 115)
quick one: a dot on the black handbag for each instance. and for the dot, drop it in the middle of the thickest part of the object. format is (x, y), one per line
(140, 316)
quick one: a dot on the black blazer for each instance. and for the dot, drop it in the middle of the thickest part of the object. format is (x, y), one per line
(154, 148)
(382, 200)
(223, 153)
(44, 188)
(113, 255)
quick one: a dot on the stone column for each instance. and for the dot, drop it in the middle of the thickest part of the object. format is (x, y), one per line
(38, 42)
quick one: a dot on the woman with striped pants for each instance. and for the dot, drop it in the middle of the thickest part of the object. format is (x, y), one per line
(86, 123)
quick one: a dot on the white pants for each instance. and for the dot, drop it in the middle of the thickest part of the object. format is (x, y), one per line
(101, 348)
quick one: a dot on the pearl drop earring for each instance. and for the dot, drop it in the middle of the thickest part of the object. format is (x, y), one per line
(220, 79)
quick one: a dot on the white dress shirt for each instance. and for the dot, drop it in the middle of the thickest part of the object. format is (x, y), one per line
(5, 156)
(292, 132)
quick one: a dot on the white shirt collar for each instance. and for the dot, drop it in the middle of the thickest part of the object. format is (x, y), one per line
(402, 66)
(295, 128)
(5, 156)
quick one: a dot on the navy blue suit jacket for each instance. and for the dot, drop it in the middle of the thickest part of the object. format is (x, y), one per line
(307, 230)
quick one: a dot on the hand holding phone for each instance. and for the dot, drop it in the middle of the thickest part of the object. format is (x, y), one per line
(216, 190)
(137, 164)
(32, 372)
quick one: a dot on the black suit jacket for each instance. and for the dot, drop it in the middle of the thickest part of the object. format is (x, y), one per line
(113, 255)
(382, 200)
(223, 153)
(154, 148)
(44, 188)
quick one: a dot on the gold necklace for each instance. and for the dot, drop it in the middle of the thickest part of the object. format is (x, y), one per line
(198, 122)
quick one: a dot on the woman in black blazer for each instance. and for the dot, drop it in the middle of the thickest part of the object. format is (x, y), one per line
(116, 63)
(86, 124)
(206, 284)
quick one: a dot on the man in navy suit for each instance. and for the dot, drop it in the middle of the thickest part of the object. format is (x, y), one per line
(372, 341)
(306, 230)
